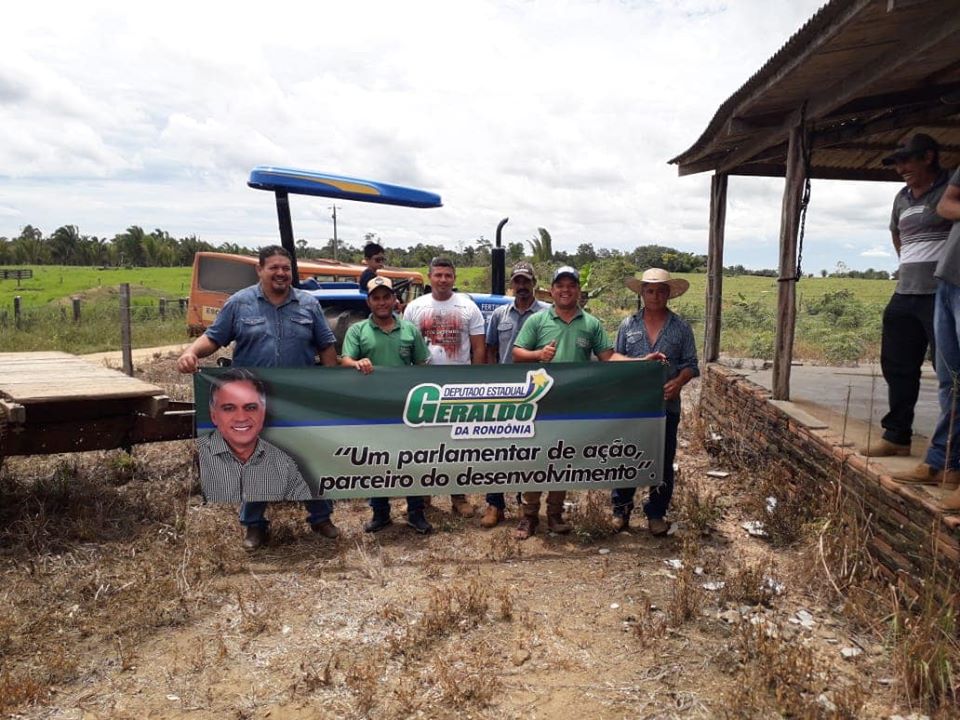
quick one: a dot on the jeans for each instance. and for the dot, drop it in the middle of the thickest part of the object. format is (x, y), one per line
(252, 513)
(381, 505)
(946, 323)
(907, 331)
(496, 499)
(656, 506)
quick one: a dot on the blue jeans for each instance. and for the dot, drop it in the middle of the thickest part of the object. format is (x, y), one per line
(496, 499)
(656, 506)
(381, 505)
(252, 513)
(946, 325)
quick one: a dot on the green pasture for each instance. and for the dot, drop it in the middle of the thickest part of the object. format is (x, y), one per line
(838, 320)
(55, 282)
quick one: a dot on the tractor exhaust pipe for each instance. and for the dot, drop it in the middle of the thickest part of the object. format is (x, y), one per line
(498, 264)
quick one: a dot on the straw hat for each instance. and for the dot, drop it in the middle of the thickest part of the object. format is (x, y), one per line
(678, 286)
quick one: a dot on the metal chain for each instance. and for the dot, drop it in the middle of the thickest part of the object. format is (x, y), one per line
(805, 153)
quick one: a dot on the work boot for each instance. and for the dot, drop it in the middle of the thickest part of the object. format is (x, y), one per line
(884, 448)
(922, 474)
(377, 523)
(951, 480)
(461, 506)
(951, 501)
(658, 526)
(418, 522)
(254, 537)
(527, 527)
(555, 524)
(491, 517)
(326, 528)
(621, 521)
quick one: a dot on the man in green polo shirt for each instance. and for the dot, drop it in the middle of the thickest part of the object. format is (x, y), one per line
(388, 340)
(564, 333)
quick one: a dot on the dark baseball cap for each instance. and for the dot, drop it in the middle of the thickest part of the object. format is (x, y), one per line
(522, 268)
(566, 271)
(914, 147)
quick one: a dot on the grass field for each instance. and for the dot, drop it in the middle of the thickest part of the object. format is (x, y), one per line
(838, 319)
(53, 282)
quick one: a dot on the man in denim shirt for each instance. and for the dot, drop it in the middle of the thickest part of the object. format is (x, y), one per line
(656, 329)
(271, 324)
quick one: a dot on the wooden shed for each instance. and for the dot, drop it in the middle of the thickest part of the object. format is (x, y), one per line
(855, 81)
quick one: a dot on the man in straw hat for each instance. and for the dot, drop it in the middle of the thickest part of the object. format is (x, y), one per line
(655, 329)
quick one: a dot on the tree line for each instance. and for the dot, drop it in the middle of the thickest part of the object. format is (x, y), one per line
(135, 247)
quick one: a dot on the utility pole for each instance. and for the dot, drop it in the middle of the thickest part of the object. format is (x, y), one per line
(335, 242)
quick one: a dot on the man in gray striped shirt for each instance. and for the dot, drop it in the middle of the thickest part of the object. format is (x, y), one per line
(236, 465)
(919, 234)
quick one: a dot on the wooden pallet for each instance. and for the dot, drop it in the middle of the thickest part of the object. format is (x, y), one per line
(56, 402)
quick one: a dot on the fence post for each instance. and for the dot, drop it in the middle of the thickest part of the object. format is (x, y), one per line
(163, 309)
(76, 309)
(16, 311)
(183, 304)
(125, 338)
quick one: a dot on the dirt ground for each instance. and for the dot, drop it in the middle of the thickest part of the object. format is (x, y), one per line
(124, 596)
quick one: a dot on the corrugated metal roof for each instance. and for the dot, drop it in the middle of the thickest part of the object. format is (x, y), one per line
(864, 73)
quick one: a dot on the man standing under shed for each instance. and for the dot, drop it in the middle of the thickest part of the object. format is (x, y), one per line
(271, 324)
(919, 234)
(452, 325)
(385, 339)
(502, 331)
(942, 462)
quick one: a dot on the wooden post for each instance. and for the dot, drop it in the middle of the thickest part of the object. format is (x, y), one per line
(76, 309)
(16, 311)
(183, 304)
(787, 287)
(125, 336)
(163, 309)
(718, 219)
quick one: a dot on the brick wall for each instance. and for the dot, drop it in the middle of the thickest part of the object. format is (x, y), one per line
(909, 535)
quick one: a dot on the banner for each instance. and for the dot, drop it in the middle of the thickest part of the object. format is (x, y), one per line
(431, 430)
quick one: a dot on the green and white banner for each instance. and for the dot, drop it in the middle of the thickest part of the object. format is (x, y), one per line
(433, 430)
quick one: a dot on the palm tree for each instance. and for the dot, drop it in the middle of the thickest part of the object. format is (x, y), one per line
(64, 245)
(541, 247)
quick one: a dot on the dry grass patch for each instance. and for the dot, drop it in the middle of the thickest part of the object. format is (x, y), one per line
(697, 505)
(774, 677)
(591, 515)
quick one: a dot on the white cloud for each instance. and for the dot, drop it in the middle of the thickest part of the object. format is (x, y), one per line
(877, 252)
(560, 115)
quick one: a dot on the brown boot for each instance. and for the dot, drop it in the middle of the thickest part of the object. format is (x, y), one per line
(951, 480)
(461, 506)
(491, 517)
(527, 527)
(555, 524)
(922, 474)
(951, 501)
(884, 448)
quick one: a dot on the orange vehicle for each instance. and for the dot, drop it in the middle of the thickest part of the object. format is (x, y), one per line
(216, 276)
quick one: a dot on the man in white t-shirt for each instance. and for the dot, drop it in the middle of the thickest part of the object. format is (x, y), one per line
(453, 327)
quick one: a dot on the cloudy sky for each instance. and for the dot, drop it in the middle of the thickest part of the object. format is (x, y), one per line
(558, 114)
